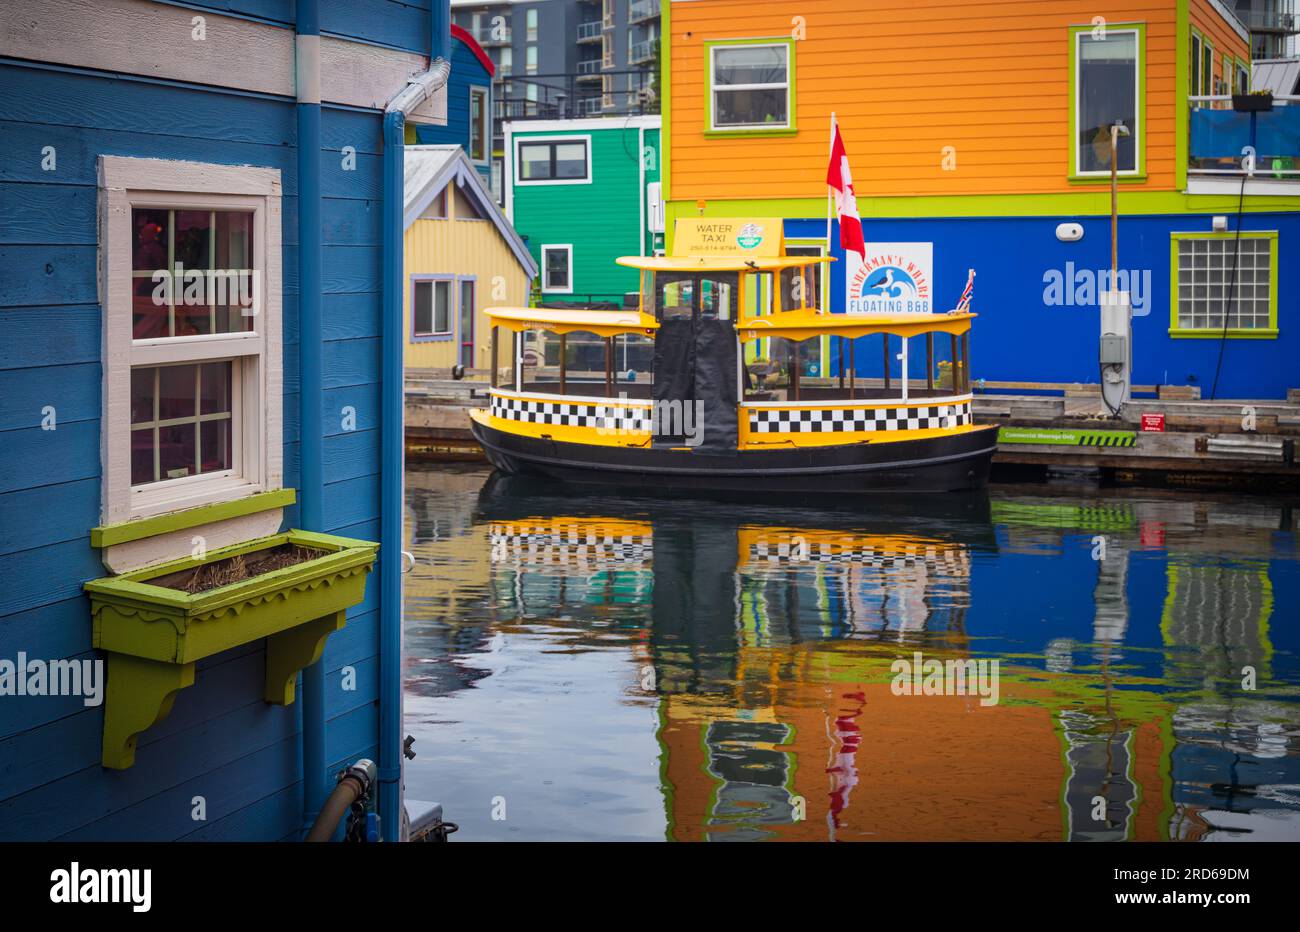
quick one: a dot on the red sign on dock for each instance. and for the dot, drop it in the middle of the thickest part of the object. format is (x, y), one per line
(1154, 422)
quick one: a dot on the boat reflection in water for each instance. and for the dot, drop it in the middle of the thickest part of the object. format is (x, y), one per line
(754, 692)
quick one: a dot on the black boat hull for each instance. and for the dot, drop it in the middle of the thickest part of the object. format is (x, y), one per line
(948, 463)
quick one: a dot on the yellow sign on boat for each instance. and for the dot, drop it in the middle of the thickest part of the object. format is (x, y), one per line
(718, 236)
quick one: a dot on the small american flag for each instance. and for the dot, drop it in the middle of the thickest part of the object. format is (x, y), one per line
(963, 303)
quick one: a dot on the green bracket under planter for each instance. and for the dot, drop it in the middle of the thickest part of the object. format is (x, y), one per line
(154, 633)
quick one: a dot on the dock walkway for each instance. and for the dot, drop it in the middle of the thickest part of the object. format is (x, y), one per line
(1224, 442)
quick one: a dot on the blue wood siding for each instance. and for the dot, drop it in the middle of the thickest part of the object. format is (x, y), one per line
(221, 740)
(466, 72)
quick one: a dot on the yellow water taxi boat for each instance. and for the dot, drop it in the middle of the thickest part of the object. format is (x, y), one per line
(700, 386)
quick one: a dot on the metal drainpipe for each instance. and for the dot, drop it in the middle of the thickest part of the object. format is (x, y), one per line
(311, 433)
(392, 453)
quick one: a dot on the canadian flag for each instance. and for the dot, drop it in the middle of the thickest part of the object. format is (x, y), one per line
(846, 202)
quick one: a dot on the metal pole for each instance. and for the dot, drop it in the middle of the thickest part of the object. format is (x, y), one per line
(885, 346)
(564, 357)
(493, 377)
(929, 361)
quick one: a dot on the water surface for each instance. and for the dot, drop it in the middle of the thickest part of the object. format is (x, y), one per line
(588, 664)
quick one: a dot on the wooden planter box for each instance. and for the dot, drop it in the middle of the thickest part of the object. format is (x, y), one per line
(1252, 103)
(154, 632)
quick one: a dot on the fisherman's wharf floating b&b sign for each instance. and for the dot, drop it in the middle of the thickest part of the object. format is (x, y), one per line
(893, 278)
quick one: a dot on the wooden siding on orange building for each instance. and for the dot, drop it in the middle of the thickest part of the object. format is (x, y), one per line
(1223, 39)
(906, 78)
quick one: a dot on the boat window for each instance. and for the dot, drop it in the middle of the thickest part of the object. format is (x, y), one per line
(757, 294)
(648, 292)
(674, 295)
(801, 285)
(718, 296)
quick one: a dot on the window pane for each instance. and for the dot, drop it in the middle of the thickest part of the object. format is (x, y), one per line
(571, 160)
(441, 307)
(557, 268)
(750, 108)
(176, 450)
(194, 238)
(215, 445)
(142, 455)
(1107, 95)
(423, 307)
(150, 313)
(149, 247)
(176, 392)
(214, 389)
(142, 395)
(477, 121)
(749, 64)
(534, 161)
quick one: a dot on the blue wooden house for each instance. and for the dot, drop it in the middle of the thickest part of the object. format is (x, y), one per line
(200, 349)
(469, 105)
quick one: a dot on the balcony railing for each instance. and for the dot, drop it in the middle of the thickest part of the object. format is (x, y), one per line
(1222, 139)
(1271, 21)
(590, 66)
(589, 107)
(487, 36)
(642, 9)
(640, 52)
(589, 32)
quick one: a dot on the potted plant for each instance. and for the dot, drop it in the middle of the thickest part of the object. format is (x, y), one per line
(291, 588)
(1254, 102)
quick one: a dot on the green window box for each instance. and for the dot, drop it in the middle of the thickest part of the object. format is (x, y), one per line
(154, 630)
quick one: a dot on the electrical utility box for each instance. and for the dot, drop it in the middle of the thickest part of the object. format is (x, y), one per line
(1116, 348)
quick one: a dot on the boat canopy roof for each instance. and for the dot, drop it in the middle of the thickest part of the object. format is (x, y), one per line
(577, 320)
(805, 323)
(714, 263)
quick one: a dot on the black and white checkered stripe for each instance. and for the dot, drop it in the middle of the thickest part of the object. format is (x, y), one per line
(548, 546)
(953, 560)
(610, 416)
(844, 420)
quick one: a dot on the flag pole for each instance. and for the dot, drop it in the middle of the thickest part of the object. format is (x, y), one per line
(830, 208)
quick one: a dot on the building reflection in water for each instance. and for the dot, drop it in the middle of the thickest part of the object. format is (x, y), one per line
(766, 637)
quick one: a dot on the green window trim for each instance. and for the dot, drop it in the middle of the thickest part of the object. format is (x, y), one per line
(109, 535)
(1139, 172)
(1215, 333)
(790, 128)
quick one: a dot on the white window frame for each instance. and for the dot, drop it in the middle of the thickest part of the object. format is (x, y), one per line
(566, 248)
(487, 123)
(257, 392)
(518, 141)
(1138, 136)
(714, 88)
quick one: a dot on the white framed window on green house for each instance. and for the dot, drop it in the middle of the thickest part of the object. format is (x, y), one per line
(1107, 86)
(557, 268)
(750, 86)
(546, 160)
(192, 379)
(1214, 276)
(479, 123)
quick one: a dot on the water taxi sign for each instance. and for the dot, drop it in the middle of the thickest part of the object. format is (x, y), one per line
(716, 236)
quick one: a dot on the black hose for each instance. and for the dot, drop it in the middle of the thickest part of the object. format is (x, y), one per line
(1232, 284)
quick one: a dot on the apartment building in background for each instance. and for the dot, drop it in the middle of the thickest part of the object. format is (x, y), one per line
(564, 59)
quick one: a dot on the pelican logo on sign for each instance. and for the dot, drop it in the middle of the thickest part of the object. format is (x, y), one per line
(750, 235)
(893, 278)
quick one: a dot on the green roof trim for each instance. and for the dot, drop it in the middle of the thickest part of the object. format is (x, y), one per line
(108, 535)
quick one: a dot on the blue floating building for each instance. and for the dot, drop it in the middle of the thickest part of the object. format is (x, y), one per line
(200, 350)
